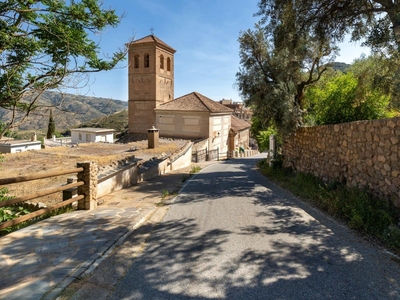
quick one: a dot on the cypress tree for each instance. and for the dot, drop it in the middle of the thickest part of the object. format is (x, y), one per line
(51, 129)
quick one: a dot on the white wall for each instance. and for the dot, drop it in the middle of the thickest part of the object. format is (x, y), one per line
(14, 148)
(104, 137)
(91, 137)
(219, 132)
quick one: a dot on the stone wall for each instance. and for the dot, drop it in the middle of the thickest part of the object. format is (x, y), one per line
(362, 154)
(89, 189)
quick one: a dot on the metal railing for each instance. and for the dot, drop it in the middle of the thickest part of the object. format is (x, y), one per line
(205, 155)
(199, 156)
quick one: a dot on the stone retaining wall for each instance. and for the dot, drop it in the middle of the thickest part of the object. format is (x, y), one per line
(362, 154)
(128, 171)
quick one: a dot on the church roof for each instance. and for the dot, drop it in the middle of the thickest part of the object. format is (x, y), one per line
(239, 124)
(152, 39)
(194, 102)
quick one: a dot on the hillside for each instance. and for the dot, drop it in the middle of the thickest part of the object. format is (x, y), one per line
(340, 66)
(117, 121)
(68, 110)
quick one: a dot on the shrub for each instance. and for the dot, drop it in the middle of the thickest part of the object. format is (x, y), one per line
(10, 212)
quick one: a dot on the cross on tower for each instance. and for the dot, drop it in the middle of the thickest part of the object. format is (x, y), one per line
(152, 30)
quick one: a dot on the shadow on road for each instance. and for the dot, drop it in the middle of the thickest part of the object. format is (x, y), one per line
(286, 251)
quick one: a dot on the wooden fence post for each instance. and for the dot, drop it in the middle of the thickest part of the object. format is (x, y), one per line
(89, 189)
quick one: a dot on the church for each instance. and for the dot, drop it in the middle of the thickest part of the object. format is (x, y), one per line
(193, 116)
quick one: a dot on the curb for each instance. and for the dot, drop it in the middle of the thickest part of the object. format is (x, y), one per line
(86, 268)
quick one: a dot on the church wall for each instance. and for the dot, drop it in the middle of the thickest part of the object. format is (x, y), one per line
(141, 116)
(182, 124)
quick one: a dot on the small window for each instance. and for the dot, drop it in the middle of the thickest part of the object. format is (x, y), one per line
(136, 61)
(168, 64)
(87, 137)
(147, 60)
(80, 136)
(161, 61)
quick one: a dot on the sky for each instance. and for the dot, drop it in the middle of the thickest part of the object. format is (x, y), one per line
(204, 33)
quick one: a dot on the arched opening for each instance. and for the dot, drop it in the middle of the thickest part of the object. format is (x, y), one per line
(136, 61)
(168, 64)
(161, 61)
(147, 60)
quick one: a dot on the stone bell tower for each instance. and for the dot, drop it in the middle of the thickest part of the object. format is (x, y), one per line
(151, 80)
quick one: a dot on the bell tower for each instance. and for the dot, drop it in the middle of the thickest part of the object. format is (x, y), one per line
(151, 80)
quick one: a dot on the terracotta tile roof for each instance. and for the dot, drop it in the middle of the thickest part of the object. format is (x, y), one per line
(194, 102)
(152, 39)
(239, 124)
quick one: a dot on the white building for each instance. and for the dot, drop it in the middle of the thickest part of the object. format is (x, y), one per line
(14, 146)
(92, 135)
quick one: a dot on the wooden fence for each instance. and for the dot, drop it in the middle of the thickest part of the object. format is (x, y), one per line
(6, 181)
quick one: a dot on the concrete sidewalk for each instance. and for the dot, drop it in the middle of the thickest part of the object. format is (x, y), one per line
(40, 261)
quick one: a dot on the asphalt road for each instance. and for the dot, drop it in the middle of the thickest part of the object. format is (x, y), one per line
(231, 234)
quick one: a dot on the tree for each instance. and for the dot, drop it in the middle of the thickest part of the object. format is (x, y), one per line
(375, 20)
(51, 129)
(293, 44)
(385, 77)
(43, 44)
(277, 64)
(342, 98)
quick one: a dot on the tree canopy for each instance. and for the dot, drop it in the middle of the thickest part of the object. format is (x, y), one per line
(44, 44)
(344, 98)
(275, 71)
(333, 19)
(293, 45)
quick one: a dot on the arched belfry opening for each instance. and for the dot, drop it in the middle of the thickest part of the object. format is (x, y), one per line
(146, 60)
(162, 62)
(150, 78)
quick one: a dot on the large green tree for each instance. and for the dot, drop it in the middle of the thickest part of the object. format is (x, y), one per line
(44, 45)
(334, 19)
(278, 62)
(292, 45)
(342, 98)
(380, 73)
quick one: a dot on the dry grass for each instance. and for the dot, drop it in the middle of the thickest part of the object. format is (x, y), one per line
(65, 157)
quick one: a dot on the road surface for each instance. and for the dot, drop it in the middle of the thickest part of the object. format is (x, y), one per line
(231, 234)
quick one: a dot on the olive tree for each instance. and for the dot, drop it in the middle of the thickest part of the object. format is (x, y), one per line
(275, 70)
(376, 20)
(293, 44)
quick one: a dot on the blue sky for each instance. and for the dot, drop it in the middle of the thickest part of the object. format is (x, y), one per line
(205, 35)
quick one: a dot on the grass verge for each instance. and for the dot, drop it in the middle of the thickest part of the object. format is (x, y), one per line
(193, 170)
(368, 215)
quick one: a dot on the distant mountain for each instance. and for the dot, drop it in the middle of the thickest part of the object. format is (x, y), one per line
(340, 66)
(69, 111)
